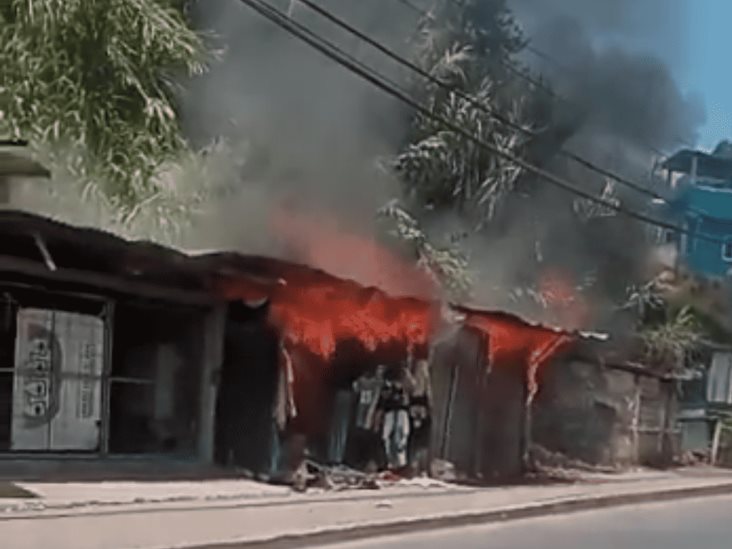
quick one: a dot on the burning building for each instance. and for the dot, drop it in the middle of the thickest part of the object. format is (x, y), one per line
(220, 358)
(325, 332)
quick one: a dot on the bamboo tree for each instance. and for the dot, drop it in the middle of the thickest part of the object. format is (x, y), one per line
(94, 84)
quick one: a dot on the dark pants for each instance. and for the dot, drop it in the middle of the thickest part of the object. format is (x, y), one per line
(364, 446)
(340, 421)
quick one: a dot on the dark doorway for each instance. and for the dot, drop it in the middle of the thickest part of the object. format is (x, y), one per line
(458, 378)
(155, 379)
(245, 428)
(478, 410)
(502, 434)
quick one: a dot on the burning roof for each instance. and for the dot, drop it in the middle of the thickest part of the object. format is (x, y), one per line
(318, 310)
(312, 309)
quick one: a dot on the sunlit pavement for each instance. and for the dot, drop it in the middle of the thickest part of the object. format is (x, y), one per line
(684, 524)
(209, 514)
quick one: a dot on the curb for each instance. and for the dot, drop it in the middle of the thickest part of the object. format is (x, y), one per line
(98, 509)
(406, 526)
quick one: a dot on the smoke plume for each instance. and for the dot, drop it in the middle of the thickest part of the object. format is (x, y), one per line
(612, 60)
(312, 130)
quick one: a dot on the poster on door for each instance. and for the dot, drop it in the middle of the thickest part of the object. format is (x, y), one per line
(57, 384)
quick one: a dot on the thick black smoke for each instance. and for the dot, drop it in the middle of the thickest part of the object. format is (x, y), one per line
(313, 130)
(611, 63)
(614, 61)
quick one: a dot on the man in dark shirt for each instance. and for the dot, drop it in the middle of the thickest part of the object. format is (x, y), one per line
(365, 443)
(419, 412)
(394, 402)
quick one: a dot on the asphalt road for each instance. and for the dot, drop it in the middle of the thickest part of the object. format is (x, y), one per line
(683, 524)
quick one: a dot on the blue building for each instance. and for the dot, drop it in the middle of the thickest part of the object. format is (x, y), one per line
(701, 203)
(706, 407)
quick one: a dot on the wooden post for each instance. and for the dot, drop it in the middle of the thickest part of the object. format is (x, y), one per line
(669, 427)
(526, 438)
(526, 428)
(449, 410)
(636, 420)
(214, 325)
(479, 434)
(106, 383)
(715, 442)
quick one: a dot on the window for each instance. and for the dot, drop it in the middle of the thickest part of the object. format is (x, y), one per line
(719, 380)
(727, 250)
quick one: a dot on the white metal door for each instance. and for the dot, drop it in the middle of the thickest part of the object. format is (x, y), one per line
(57, 385)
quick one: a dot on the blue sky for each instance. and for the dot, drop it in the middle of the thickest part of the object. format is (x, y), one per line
(708, 65)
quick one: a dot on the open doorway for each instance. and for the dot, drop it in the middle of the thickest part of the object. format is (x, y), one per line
(458, 378)
(155, 380)
(246, 436)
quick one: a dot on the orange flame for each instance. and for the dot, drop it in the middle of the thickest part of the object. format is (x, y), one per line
(321, 316)
(318, 314)
(564, 301)
(513, 342)
(316, 311)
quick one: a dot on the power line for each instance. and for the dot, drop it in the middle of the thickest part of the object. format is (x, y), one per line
(508, 66)
(546, 57)
(571, 70)
(414, 8)
(334, 53)
(528, 78)
(471, 100)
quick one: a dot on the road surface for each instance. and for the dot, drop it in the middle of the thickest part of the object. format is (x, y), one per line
(682, 524)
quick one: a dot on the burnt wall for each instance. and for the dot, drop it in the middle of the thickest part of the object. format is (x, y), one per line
(586, 413)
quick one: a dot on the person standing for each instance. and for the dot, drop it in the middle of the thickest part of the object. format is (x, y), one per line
(368, 390)
(420, 416)
(395, 404)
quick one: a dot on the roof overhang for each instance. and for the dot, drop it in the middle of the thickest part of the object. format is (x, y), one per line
(16, 160)
(707, 165)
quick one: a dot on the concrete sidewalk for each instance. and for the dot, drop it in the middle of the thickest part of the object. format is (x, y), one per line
(210, 514)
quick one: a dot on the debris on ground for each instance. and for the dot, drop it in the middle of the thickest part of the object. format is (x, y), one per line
(694, 458)
(550, 465)
(443, 470)
(311, 474)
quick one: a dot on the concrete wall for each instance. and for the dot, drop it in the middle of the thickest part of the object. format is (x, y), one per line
(584, 414)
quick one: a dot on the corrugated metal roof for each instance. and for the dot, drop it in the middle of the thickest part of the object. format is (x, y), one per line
(17, 160)
(146, 259)
(88, 250)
